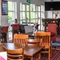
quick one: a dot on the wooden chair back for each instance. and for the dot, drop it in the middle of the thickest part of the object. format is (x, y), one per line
(16, 54)
(44, 38)
(20, 39)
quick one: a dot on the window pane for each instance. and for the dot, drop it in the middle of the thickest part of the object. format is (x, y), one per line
(36, 15)
(23, 17)
(42, 8)
(10, 6)
(32, 15)
(23, 20)
(42, 15)
(23, 7)
(20, 21)
(42, 27)
(10, 15)
(39, 14)
(27, 15)
(36, 21)
(15, 15)
(28, 21)
(32, 21)
(41, 21)
(32, 7)
(49, 14)
(38, 8)
(27, 7)
(20, 6)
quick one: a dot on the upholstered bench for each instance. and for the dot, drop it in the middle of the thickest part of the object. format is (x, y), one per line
(55, 44)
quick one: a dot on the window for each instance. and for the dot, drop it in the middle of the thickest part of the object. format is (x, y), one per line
(42, 16)
(31, 13)
(12, 13)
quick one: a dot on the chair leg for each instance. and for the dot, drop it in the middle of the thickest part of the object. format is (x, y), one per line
(39, 56)
(49, 55)
(51, 51)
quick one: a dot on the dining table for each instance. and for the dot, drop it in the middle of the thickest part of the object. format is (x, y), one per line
(29, 50)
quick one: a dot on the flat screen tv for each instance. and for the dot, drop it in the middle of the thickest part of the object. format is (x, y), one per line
(52, 6)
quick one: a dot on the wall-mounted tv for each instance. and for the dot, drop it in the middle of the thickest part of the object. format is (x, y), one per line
(52, 6)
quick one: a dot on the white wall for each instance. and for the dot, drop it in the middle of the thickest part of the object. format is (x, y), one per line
(3, 18)
(37, 2)
(0, 12)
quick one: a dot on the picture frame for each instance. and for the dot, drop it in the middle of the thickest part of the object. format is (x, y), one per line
(4, 7)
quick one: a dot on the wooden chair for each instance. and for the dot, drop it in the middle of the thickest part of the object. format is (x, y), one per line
(20, 39)
(44, 38)
(17, 54)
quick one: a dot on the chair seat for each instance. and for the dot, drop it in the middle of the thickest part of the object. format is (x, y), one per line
(46, 45)
(55, 44)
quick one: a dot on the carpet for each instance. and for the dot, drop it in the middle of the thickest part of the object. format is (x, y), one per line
(55, 56)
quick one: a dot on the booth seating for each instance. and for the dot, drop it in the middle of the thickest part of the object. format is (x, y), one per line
(4, 33)
(52, 27)
(15, 29)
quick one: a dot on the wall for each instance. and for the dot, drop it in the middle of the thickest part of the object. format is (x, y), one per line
(0, 12)
(37, 2)
(3, 18)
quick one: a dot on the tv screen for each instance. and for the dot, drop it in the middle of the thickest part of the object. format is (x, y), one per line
(52, 6)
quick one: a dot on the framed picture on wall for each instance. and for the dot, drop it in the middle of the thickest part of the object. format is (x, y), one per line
(4, 0)
(4, 7)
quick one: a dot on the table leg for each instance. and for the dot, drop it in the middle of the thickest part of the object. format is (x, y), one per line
(39, 57)
(32, 58)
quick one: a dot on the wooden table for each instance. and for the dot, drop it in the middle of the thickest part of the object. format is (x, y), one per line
(29, 51)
